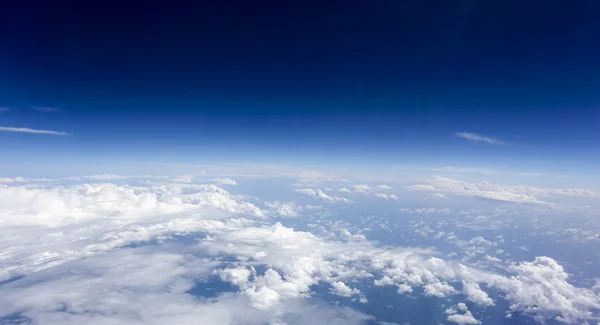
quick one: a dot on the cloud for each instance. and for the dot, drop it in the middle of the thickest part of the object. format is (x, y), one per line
(386, 196)
(477, 138)
(384, 187)
(321, 195)
(4, 109)
(70, 245)
(362, 188)
(517, 194)
(11, 180)
(341, 289)
(225, 181)
(148, 286)
(45, 109)
(289, 209)
(466, 318)
(32, 131)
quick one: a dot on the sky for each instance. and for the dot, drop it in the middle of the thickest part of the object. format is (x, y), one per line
(300, 162)
(357, 84)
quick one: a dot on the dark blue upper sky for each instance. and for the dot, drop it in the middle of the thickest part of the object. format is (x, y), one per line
(304, 80)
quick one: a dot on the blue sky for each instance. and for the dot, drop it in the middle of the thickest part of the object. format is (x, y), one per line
(349, 84)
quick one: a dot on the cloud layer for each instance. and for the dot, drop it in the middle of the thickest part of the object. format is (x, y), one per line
(104, 253)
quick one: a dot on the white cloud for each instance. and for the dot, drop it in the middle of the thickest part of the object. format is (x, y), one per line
(466, 318)
(362, 188)
(317, 193)
(476, 295)
(344, 190)
(237, 276)
(143, 286)
(478, 138)
(7, 180)
(32, 131)
(225, 181)
(341, 289)
(289, 209)
(492, 259)
(384, 187)
(518, 194)
(184, 178)
(386, 196)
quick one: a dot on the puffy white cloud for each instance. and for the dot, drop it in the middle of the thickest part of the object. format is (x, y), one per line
(461, 315)
(41, 227)
(66, 205)
(540, 288)
(384, 187)
(476, 295)
(362, 188)
(492, 259)
(289, 209)
(341, 289)
(237, 276)
(344, 189)
(386, 196)
(225, 181)
(317, 193)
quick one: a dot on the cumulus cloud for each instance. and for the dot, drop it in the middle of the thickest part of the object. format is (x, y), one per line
(362, 188)
(384, 187)
(225, 181)
(341, 289)
(476, 295)
(386, 196)
(289, 209)
(477, 138)
(461, 315)
(319, 194)
(31, 131)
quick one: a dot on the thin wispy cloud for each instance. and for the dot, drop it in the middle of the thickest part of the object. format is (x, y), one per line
(4, 109)
(478, 138)
(45, 109)
(32, 131)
